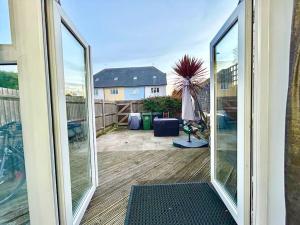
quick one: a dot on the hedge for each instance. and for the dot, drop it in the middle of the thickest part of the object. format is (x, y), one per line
(163, 104)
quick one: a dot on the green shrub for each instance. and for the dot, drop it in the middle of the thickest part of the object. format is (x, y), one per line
(163, 104)
(8, 80)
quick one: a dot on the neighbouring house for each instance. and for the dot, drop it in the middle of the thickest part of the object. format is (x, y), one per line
(132, 83)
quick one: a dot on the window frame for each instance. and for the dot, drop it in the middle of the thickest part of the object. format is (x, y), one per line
(56, 19)
(243, 15)
(27, 49)
(114, 91)
(154, 90)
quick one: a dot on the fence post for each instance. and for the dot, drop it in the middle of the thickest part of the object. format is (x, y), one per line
(103, 113)
(131, 107)
(116, 116)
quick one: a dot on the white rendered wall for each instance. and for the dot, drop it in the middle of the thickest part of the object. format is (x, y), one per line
(162, 91)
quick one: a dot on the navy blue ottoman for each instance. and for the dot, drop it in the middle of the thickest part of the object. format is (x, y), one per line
(164, 127)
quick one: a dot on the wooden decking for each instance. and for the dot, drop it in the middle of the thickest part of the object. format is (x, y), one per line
(119, 170)
(125, 158)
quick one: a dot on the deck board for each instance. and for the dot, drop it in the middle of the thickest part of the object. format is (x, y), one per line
(119, 170)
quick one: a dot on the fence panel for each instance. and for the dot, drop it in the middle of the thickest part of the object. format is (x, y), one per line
(9, 106)
(76, 109)
(107, 113)
(125, 108)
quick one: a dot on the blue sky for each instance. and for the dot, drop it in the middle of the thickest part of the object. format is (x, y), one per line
(5, 35)
(126, 33)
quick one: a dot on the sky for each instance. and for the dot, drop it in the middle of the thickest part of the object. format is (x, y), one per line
(74, 64)
(128, 33)
(5, 34)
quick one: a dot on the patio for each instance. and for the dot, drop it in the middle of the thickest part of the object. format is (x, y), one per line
(129, 157)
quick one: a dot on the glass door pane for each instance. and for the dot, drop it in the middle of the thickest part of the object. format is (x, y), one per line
(13, 189)
(75, 78)
(5, 33)
(226, 86)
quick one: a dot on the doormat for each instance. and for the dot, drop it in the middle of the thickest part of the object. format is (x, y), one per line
(176, 204)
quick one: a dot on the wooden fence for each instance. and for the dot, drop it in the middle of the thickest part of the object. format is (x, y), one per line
(126, 107)
(107, 113)
(76, 110)
(9, 105)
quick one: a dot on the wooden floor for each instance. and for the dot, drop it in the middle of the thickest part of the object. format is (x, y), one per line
(119, 170)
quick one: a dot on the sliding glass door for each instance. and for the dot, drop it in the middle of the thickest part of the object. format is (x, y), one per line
(73, 118)
(231, 112)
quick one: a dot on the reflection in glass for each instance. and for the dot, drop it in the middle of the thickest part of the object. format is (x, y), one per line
(13, 190)
(226, 68)
(77, 115)
(5, 34)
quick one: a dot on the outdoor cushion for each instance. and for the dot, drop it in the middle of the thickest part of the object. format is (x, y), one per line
(164, 127)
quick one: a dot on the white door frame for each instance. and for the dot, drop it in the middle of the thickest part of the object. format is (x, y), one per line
(243, 15)
(28, 52)
(261, 112)
(272, 32)
(57, 17)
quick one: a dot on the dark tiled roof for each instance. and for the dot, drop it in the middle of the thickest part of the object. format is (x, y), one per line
(129, 77)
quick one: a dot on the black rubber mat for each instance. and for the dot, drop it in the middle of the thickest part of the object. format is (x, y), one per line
(176, 204)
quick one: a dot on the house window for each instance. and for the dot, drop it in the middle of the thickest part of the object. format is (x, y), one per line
(135, 78)
(96, 91)
(114, 91)
(116, 78)
(154, 77)
(154, 90)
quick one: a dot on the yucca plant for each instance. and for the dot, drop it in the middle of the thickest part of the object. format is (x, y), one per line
(193, 70)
